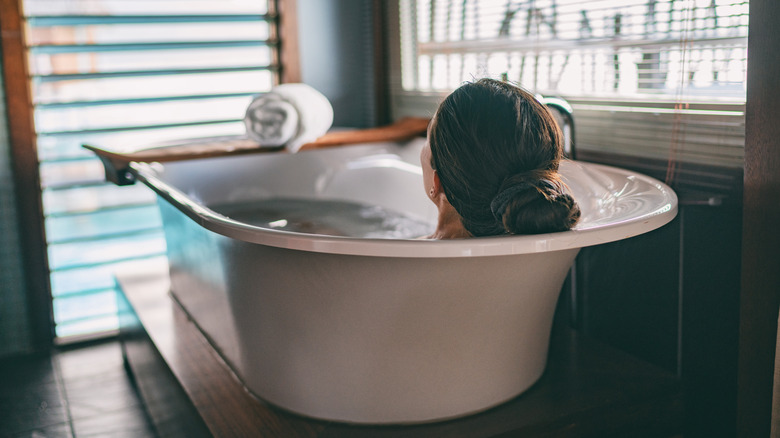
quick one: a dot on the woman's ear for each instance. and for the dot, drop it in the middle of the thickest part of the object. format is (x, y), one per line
(436, 189)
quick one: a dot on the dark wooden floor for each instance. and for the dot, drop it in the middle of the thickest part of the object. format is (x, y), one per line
(77, 392)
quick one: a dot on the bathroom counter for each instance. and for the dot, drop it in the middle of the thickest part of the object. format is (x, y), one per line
(588, 389)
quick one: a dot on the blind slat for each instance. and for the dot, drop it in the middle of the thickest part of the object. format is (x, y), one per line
(128, 233)
(533, 46)
(140, 100)
(83, 292)
(72, 281)
(102, 223)
(84, 48)
(140, 127)
(141, 73)
(82, 20)
(139, 116)
(125, 206)
(150, 87)
(106, 62)
(136, 7)
(85, 307)
(105, 251)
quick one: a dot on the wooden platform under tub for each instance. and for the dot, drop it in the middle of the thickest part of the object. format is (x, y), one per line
(588, 389)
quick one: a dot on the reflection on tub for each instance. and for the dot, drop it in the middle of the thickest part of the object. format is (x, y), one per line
(320, 321)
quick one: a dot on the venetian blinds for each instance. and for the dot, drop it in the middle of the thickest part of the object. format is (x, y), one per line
(645, 77)
(140, 71)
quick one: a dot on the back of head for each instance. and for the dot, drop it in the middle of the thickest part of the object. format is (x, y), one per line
(496, 150)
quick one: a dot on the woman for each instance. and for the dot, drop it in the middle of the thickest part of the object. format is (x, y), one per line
(491, 164)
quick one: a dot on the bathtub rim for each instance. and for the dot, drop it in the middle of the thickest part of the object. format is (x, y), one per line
(417, 248)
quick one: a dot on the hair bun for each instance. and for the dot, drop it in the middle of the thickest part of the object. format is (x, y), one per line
(534, 202)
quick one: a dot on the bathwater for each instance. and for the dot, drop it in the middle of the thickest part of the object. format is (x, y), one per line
(334, 218)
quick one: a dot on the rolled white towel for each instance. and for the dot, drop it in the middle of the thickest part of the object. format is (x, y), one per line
(289, 115)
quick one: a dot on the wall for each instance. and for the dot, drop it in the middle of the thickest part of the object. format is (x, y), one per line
(336, 43)
(15, 334)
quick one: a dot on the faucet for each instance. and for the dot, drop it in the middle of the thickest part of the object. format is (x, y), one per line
(563, 115)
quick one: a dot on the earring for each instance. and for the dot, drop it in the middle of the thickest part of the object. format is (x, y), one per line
(431, 192)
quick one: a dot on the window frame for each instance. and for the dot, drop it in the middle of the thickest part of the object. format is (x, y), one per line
(24, 160)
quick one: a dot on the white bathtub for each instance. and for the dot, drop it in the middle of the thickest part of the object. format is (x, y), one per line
(376, 330)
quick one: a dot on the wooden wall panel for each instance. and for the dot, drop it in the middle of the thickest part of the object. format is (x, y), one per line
(25, 170)
(760, 296)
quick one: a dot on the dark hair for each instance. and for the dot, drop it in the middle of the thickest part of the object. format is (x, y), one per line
(496, 150)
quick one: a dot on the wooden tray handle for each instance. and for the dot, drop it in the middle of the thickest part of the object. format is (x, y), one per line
(116, 162)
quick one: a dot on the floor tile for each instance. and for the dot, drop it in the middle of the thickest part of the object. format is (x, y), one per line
(100, 394)
(90, 361)
(81, 392)
(127, 422)
(62, 430)
(30, 396)
(33, 418)
(87, 406)
(24, 372)
(98, 379)
(107, 391)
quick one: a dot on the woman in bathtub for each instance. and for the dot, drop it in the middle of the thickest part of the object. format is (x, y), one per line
(491, 164)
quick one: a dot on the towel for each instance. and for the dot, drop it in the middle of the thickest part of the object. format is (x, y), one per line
(289, 115)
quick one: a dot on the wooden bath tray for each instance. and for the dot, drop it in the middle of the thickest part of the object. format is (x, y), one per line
(116, 161)
(588, 389)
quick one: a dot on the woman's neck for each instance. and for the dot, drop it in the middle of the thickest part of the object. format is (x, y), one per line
(449, 225)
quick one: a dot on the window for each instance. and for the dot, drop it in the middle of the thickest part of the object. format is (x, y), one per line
(666, 78)
(112, 72)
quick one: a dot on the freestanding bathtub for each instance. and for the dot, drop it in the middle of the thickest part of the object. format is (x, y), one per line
(375, 330)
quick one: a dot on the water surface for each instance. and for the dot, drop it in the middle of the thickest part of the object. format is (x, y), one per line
(328, 217)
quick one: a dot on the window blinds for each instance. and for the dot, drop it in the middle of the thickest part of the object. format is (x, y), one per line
(659, 77)
(117, 71)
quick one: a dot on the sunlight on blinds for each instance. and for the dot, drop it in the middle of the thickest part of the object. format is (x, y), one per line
(665, 78)
(579, 48)
(129, 71)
